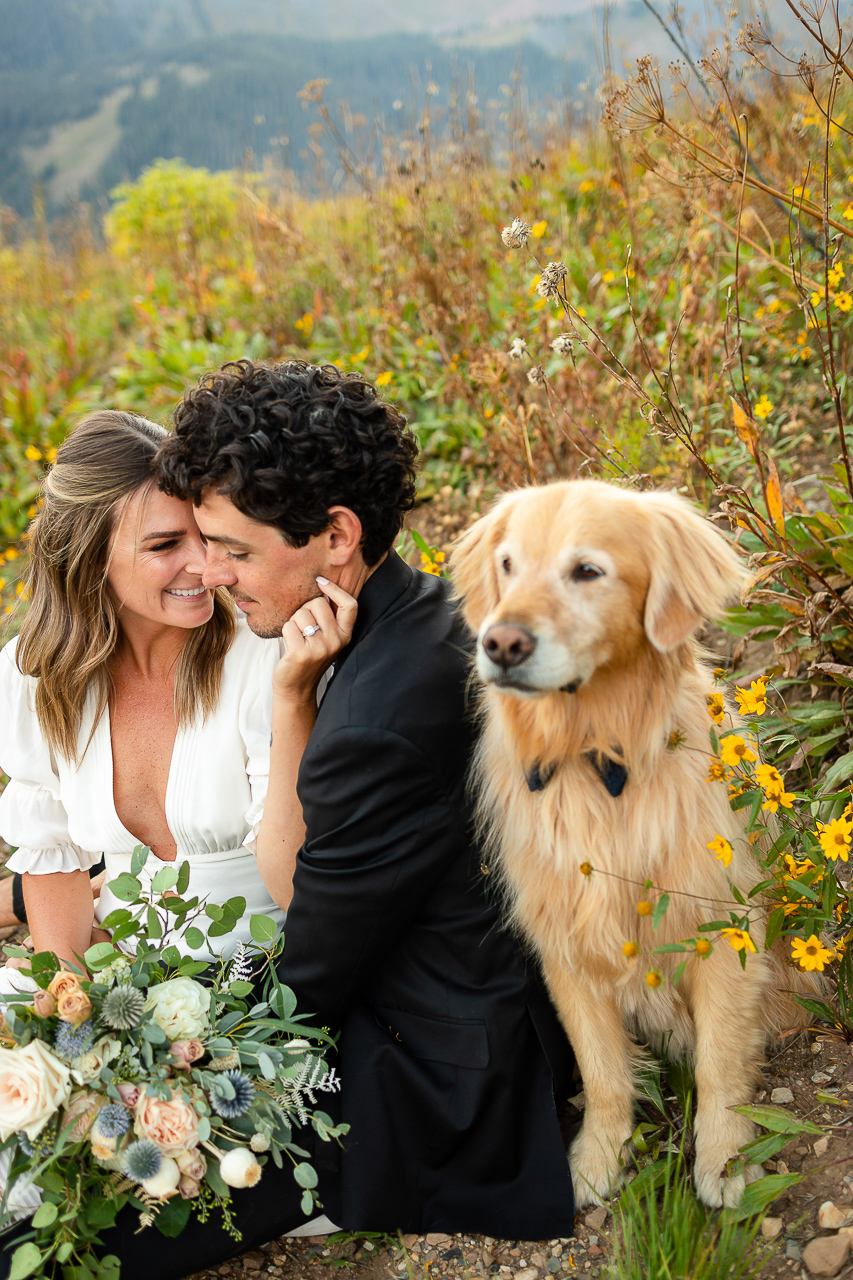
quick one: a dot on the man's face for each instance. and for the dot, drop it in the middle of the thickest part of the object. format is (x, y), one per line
(267, 579)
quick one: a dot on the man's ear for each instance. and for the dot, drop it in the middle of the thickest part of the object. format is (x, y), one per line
(472, 563)
(695, 573)
(344, 535)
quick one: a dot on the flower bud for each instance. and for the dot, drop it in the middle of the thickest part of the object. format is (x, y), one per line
(186, 1052)
(44, 1004)
(129, 1094)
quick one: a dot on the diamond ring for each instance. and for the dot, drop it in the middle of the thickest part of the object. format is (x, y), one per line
(310, 631)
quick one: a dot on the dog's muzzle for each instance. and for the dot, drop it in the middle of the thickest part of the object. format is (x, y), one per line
(508, 646)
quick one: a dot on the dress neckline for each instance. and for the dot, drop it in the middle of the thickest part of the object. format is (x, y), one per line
(103, 737)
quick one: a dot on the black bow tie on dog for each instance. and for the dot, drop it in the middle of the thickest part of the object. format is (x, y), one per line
(612, 774)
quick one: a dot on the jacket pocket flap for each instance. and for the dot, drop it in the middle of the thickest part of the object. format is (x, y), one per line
(460, 1042)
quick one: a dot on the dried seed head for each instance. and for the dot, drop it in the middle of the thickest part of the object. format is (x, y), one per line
(562, 345)
(550, 280)
(536, 375)
(518, 349)
(516, 235)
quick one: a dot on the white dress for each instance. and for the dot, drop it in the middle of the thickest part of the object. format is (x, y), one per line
(62, 817)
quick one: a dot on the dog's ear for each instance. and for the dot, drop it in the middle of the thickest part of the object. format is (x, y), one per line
(694, 572)
(472, 564)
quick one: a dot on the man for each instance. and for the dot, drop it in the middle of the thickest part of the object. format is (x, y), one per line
(392, 936)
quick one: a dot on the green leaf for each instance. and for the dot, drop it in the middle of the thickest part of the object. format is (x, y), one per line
(239, 988)
(660, 910)
(818, 1009)
(45, 1214)
(203, 1129)
(765, 1147)
(154, 1034)
(26, 1259)
(775, 925)
(125, 887)
(166, 878)
(99, 955)
(215, 1180)
(305, 1175)
(262, 928)
(838, 772)
(758, 1195)
(118, 917)
(679, 972)
(267, 1070)
(777, 1119)
(420, 542)
(307, 1202)
(138, 859)
(172, 1217)
(64, 1251)
(194, 938)
(182, 883)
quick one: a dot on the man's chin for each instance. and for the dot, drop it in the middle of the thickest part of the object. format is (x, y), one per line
(263, 628)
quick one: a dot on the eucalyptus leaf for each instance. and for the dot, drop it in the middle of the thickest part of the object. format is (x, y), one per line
(138, 859)
(125, 887)
(263, 929)
(26, 1259)
(165, 879)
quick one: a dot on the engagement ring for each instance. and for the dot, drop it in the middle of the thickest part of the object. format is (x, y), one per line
(310, 631)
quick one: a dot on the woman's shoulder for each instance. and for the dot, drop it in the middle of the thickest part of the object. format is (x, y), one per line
(12, 680)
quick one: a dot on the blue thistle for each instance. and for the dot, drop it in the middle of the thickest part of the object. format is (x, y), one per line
(142, 1160)
(25, 1145)
(244, 1095)
(41, 1145)
(72, 1041)
(113, 1120)
(123, 1007)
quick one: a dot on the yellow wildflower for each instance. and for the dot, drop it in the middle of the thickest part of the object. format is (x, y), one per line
(848, 213)
(11, 553)
(630, 949)
(763, 408)
(810, 954)
(834, 838)
(653, 978)
(2, 583)
(817, 298)
(32, 453)
(773, 799)
(703, 947)
(836, 275)
(739, 939)
(716, 707)
(585, 868)
(644, 908)
(752, 701)
(607, 276)
(843, 301)
(734, 750)
(384, 378)
(721, 849)
(717, 772)
(538, 229)
(587, 185)
(306, 324)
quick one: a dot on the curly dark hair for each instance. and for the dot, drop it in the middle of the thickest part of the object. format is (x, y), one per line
(286, 442)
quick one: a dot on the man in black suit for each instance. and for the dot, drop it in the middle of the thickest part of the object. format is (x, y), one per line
(392, 936)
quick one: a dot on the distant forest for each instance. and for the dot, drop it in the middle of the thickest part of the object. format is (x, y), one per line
(216, 100)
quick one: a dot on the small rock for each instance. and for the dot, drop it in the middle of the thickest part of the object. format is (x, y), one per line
(817, 1046)
(826, 1255)
(596, 1218)
(781, 1167)
(771, 1228)
(409, 1240)
(452, 1253)
(831, 1217)
(820, 1077)
(782, 1097)
(595, 1251)
(437, 1237)
(553, 1264)
(536, 1260)
(252, 1261)
(515, 1253)
(557, 1251)
(526, 1273)
(820, 1147)
(792, 1250)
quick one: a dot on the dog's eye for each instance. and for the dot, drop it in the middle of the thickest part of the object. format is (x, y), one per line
(586, 572)
(506, 564)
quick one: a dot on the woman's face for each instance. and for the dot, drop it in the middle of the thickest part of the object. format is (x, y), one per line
(157, 562)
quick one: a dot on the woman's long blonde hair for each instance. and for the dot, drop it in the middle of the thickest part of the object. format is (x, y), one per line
(71, 627)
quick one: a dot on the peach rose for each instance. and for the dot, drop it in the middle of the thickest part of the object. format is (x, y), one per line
(192, 1163)
(74, 1007)
(129, 1094)
(63, 984)
(172, 1125)
(44, 1004)
(186, 1052)
(33, 1086)
(188, 1187)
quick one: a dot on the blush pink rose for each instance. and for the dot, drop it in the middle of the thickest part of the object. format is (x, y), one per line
(129, 1094)
(172, 1125)
(44, 1004)
(186, 1052)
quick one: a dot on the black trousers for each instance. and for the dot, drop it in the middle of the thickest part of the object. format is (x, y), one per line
(261, 1213)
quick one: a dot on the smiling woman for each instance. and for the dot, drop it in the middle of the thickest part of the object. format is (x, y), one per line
(136, 710)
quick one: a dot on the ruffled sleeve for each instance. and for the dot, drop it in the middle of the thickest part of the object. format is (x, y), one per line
(32, 815)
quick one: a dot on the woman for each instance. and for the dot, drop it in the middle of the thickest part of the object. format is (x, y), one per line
(136, 708)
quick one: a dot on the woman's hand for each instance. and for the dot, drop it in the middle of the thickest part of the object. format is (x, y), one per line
(297, 675)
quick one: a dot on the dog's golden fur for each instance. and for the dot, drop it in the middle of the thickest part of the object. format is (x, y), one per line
(611, 586)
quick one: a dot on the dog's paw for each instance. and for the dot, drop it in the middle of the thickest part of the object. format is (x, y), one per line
(595, 1171)
(718, 1191)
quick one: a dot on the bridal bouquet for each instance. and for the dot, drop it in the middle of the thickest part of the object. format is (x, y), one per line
(157, 1081)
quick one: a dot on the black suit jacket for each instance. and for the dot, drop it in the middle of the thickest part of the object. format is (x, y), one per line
(393, 938)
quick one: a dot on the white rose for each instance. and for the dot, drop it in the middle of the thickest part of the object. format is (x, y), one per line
(34, 1084)
(165, 1180)
(239, 1168)
(180, 1007)
(87, 1067)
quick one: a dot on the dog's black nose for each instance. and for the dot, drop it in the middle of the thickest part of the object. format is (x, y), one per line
(507, 645)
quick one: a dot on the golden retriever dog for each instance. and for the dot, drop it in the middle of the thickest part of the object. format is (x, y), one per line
(585, 599)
